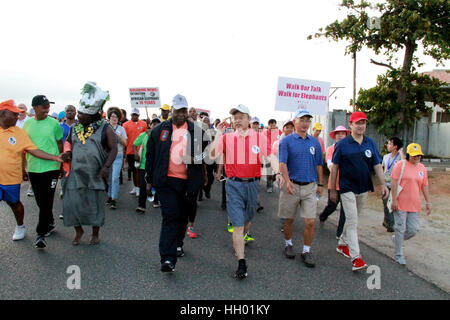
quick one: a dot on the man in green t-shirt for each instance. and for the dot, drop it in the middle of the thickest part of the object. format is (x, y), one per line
(47, 135)
(141, 142)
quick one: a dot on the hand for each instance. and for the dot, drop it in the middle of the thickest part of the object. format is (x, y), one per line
(218, 176)
(319, 190)
(59, 158)
(136, 157)
(25, 175)
(104, 173)
(206, 180)
(384, 192)
(334, 196)
(221, 127)
(280, 180)
(428, 207)
(394, 205)
(290, 187)
(66, 156)
(148, 189)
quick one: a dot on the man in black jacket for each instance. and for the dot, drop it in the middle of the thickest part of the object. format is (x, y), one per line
(175, 167)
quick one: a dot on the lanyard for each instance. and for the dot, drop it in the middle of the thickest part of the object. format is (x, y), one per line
(390, 164)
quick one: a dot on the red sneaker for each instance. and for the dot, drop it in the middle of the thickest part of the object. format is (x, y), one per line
(344, 251)
(191, 233)
(358, 264)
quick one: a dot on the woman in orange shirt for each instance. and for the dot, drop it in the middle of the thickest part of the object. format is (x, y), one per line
(406, 204)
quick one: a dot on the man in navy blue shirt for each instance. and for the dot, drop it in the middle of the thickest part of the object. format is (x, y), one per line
(355, 157)
(71, 113)
(300, 157)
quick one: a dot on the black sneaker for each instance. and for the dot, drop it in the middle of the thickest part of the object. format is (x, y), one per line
(108, 202)
(289, 252)
(180, 252)
(241, 272)
(308, 259)
(260, 208)
(50, 230)
(40, 242)
(167, 266)
(113, 204)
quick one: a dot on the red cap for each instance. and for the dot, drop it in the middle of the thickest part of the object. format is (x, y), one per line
(9, 105)
(358, 115)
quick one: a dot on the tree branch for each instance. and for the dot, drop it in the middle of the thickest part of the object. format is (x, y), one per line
(382, 64)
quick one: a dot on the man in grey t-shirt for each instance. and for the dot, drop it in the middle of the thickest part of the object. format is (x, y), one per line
(394, 147)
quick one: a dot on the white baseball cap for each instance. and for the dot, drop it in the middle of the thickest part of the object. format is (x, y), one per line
(301, 113)
(179, 102)
(135, 111)
(240, 108)
(255, 119)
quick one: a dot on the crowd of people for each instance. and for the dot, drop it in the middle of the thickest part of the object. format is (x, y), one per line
(173, 159)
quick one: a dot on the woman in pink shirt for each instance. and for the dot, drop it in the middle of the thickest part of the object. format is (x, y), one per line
(406, 204)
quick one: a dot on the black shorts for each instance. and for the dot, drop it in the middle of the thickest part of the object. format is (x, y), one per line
(130, 160)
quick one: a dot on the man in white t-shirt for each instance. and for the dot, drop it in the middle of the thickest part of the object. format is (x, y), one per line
(22, 116)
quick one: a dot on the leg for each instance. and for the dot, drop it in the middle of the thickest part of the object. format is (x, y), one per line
(308, 233)
(78, 234)
(238, 242)
(350, 234)
(188, 213)
(412, 224)
(329, 209)
(288, 228)
(341, 223)
(142, 189)
(400, 228)
(115, 177)
(388, 221)
(19, 212)
(94, 237)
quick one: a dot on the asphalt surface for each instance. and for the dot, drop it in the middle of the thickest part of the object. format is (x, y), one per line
(125, 265)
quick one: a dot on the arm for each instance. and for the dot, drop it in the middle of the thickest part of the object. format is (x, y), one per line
(380, 175)
(394, 184)
(214, 146)
(333, 177)
(285, 174)
(112, 146)
(426, 195)
(320, 178)
(44, 155)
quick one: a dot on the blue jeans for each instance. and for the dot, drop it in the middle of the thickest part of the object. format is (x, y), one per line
(114, 174)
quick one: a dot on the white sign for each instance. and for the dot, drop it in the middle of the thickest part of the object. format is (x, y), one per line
(294, 94)
(145, 97)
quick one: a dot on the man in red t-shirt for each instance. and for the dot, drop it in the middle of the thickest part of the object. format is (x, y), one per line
(241, 151)
(133, 128)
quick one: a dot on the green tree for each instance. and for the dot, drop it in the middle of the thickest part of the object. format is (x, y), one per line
(399, 97)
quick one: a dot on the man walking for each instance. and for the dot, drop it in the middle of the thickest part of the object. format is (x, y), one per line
(174, 166)
(389, 160)
(13, 143)
(133, 129)
(300, 157)
(47, 135)
(355, 156)
(242, 151)
(71, 113)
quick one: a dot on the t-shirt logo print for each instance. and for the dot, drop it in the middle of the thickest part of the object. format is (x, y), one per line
(164, 135)
(312, 150)
(368, 153)
(421, 174)
(255, 149)
(12, 140)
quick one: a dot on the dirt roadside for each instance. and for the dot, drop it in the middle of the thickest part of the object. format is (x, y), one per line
(428, 253)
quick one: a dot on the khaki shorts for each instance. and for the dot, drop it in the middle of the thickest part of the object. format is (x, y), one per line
(304, 197)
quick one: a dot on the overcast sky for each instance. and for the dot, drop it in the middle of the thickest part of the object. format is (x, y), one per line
(217, 54)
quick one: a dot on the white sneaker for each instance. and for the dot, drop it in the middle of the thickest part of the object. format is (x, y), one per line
(30, 193)
(133, 191)
(19, 233)
(137, 193)
(150, 199)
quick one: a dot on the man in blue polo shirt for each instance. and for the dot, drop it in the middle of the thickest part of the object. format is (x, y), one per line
(355, 157)
(300, 157)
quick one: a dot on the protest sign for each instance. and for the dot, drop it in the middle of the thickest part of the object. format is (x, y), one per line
(294, 94)
(145, 97)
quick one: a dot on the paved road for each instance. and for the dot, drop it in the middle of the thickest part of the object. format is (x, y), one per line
(125, 265)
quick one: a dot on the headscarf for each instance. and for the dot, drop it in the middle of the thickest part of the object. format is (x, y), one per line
(93, 98)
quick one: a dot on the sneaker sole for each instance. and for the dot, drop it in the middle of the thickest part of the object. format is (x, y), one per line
(342, 252)
(167, 268)
(359, 268)
(40, 246)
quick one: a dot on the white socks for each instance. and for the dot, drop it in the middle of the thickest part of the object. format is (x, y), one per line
(306, 249)
(288, 242)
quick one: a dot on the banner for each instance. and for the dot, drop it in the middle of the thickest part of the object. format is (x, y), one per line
(294, 94)
(145, 97)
